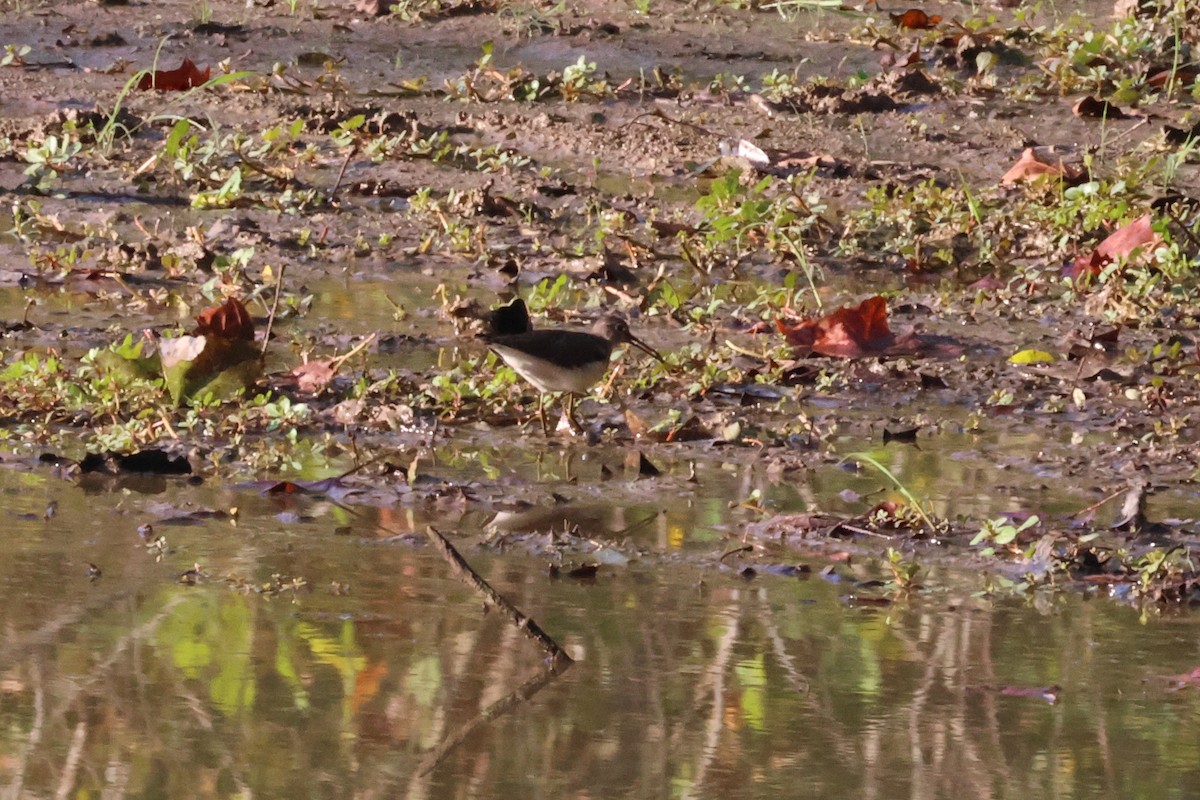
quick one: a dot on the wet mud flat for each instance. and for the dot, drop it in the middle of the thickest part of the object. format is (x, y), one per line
(716, 173)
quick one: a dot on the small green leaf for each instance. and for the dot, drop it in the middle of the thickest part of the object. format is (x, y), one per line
(1005, 534)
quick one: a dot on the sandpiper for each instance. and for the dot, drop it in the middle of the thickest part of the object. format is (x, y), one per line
(564, 360)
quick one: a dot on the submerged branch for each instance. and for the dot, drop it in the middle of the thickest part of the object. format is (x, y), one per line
(524, 623)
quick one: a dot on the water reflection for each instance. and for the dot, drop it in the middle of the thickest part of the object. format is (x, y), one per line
(380, 676)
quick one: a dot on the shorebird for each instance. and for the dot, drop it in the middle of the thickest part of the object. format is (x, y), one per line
(568, 361)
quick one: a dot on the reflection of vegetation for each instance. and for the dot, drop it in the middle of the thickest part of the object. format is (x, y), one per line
(776, 683)
(209, 637)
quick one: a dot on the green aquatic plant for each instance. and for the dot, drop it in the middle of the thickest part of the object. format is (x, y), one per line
(51, 157)
(912, 501)
(1001, 532)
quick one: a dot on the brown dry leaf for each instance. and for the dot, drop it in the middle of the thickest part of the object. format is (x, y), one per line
(1094, 108)
(312, 377)
(1121, 243)
(1029, 167)
(187, 76)
(230, 320)
(915, 19)
(1184, 75)
(846, 333)
(1124, 240)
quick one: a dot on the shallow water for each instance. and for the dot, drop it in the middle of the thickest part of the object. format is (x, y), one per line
(689, 681)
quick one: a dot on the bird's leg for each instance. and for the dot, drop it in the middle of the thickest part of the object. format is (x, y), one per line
(542, 413)
(570, 411)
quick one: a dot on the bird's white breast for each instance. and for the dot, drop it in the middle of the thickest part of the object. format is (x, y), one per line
(548, 377)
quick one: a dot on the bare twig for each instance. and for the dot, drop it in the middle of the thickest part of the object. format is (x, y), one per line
(341, 174)
(462, 569)
(744, 549)
(1099, 503)
(274, 308)
(358, 348)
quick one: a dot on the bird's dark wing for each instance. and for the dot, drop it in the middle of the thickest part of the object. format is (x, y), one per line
(566, 349)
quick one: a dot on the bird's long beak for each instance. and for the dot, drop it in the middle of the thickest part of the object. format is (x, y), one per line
(647, 349)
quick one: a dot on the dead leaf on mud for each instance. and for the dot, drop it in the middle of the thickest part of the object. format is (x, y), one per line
(1134, 237)
(666, 229)
(187, 76)
(230, 320)
(845, 333)
(1095, 108)
(1183, 76)
(374, 8)
(858, 332)
(1029, 167)
(915, 19)
(313, 376)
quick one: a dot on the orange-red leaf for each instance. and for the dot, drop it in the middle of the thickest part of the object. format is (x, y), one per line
(846, 333)
(1119, 244)
(230, 320)
(1126, 239)
(1029, 167)
(915, 19)
(188, 76)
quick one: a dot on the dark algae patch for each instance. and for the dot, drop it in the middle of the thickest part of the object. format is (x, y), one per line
(875, 333)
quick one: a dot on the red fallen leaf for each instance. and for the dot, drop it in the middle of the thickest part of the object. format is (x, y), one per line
(230, 320)
(1126, 239)
(845, 333)
(1095, 108)
(1029, 167)
(915, 19)
(188, 76)
(1119, 244)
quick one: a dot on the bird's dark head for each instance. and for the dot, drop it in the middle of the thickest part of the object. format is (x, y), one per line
(616, 330)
